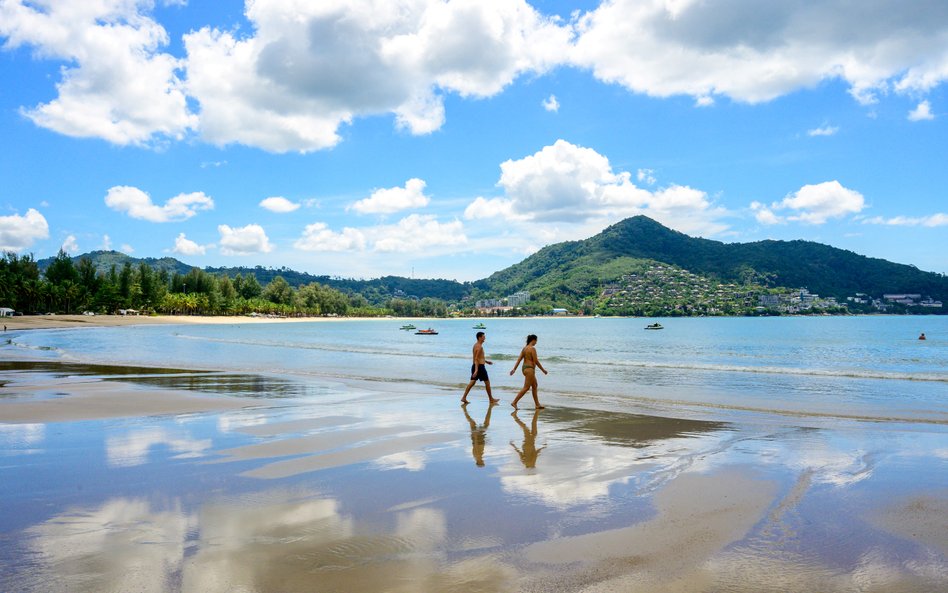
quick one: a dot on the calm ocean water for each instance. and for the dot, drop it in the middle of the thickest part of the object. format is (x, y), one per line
(820, 367)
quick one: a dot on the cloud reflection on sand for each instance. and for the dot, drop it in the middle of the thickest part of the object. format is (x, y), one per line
(588, 452)
(132, 448)
(22, 435)
(275, 541)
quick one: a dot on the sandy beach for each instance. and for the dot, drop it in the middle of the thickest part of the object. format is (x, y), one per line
(136, 478)
(23, 322)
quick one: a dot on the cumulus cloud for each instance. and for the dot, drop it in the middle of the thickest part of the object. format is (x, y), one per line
(812, 204)
(19, 232)
(70, 245)
(106, 243)
(412, 234)
(565, 183)
(418, 232)
(138, 204)
(185, 246)
(279, 204)
(551, 104)
(310, 68)
(923, 112)
(118, 85)
(318, 237)
(246, 240)
(753, 52)
(934, 220)
(825, 130)
(394, 199)
(127, 249)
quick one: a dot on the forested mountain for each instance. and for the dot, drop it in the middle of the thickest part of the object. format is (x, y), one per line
(635, 253)
(578, 267)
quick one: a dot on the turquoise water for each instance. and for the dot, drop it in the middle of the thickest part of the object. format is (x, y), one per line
(820, 367)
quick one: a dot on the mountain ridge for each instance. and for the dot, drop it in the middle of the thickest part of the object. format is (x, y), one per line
(571, 271)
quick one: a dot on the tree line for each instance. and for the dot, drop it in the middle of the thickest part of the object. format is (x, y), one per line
(66, 287)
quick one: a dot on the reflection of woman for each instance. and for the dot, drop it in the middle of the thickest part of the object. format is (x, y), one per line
(478, 435)
(530, 365)
(529, 452)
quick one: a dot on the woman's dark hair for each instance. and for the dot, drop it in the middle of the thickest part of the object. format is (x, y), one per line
(531, 337)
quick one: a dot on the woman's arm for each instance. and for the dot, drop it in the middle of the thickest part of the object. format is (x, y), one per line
(519, 358)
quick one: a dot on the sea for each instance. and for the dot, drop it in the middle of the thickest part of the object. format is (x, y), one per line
(818, 369)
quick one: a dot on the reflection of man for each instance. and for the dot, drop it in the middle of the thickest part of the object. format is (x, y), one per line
(479, 435)
(529, 452)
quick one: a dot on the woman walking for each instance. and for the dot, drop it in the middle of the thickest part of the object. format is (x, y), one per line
(530, 365)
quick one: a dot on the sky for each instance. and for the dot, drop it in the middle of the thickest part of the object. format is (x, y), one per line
(453, 138)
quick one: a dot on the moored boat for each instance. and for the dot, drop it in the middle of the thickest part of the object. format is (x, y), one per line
(654, 326)
(426, 332)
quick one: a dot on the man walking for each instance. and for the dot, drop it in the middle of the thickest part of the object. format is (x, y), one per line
(479, 370)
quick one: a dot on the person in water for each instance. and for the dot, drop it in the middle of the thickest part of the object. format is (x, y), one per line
(922, 337)
(530, 365)
(479, 370)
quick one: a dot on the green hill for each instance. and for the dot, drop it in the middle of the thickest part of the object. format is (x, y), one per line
(651, 260)
(571, 271)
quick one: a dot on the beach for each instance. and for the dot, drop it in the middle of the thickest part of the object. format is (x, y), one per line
(123, 474)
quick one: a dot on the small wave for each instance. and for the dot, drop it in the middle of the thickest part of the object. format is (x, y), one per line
(769, 370)
(323, 347)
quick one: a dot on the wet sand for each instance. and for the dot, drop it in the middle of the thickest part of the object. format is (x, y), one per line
(23, 322)
(119, 478)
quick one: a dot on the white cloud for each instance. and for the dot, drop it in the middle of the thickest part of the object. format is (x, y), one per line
(117, 85)
(757, 51)
(19, 232)
(923, 112)
(318, 237)
(646, 176)
(138, 204)
(185, 246)
(279, 204)
(825, 130)
(811, 204)
(551, 104)
(106, 243)
(412, 234)
(765, 215)
(70, 245)
(310, 68)
(564, 183)
(394, 199)
(127, 249)
(417, 232)
(815, 204)
(934, 220)
(246, 240)
(482, 208)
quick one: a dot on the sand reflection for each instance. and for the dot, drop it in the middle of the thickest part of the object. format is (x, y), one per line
(587, 452)
(277, 541)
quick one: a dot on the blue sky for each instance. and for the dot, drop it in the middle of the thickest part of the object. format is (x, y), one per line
(450, 139)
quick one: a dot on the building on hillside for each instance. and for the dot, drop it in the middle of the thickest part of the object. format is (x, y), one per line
(519, 299)
(557, 311)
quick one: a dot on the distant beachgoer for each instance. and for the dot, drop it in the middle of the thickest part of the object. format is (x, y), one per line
(479, 369)
(530, 365)
(921, 337)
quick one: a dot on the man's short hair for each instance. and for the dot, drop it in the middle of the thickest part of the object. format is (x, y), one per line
(478, 334)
